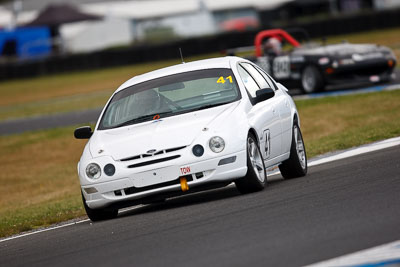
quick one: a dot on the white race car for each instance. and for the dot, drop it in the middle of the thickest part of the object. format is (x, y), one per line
(186, 128)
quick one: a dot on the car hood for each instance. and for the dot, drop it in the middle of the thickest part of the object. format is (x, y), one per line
(166, 133)
(340, 50)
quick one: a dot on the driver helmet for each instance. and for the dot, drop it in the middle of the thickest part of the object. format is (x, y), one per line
(273, 46)
(147, 102)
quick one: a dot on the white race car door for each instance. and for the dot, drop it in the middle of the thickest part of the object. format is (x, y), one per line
(283, 105)
(264, 116)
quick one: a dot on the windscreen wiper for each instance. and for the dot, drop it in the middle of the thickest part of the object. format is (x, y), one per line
(212, 105)
(147, 117)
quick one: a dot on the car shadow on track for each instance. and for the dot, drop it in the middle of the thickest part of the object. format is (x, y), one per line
(211, 195)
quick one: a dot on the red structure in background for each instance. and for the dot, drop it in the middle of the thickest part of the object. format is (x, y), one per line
(277, 33)
(240, 24)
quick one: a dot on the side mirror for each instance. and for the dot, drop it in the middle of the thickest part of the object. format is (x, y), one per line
(264, 94)
(84, 132)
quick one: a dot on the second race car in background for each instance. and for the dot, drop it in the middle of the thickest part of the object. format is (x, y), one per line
(312, 67)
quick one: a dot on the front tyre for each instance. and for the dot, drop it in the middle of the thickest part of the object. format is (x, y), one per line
(256, 176)
(99, 214)
(296, 165)
(311, 80)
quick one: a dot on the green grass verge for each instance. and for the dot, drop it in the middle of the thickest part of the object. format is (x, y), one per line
(56, 105)
(336, 123)
(39, 185)
(41, 215)
(39, 180)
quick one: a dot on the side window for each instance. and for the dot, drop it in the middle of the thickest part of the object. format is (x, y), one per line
(269, 80)
(257, 76)
(248, 81)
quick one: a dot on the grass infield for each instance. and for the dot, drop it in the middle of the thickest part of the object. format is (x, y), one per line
(39, 177)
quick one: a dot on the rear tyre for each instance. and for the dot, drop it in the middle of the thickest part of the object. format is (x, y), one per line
(99, 214)
(296, 165)
(311, 80)
(256, 176)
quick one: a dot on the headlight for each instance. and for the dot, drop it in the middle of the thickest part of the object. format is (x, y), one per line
(217, 144)
(391, 55)
(93, 171)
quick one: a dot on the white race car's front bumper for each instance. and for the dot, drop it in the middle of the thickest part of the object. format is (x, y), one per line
(137, 186)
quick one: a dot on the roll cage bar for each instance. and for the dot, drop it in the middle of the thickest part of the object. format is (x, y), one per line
(277, 33)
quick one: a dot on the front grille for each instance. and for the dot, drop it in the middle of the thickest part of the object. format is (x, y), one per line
(173, 149)
(164, 151)
(141, 164)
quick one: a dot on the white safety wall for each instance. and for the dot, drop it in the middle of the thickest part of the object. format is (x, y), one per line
(95, 35)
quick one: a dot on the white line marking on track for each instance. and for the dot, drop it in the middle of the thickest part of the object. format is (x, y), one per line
(383, 255)
(349, 153)
(59, 226)
(341, 155)
(358, 151)
(42, 230)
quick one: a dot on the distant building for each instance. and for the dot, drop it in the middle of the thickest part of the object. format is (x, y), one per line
(304, 8)
(386, 4)
(146, 20)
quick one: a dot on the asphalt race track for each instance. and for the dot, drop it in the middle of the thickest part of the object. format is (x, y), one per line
(339, 207)
(48, 121)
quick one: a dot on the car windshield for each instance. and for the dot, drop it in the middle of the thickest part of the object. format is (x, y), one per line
(169, 96)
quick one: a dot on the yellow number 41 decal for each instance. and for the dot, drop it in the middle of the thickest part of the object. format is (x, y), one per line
(222, 80)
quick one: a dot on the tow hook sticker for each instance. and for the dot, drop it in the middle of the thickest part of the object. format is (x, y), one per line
(185, 170)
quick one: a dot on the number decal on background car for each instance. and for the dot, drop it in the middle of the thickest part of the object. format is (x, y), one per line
(281, 67)
(264, 64)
